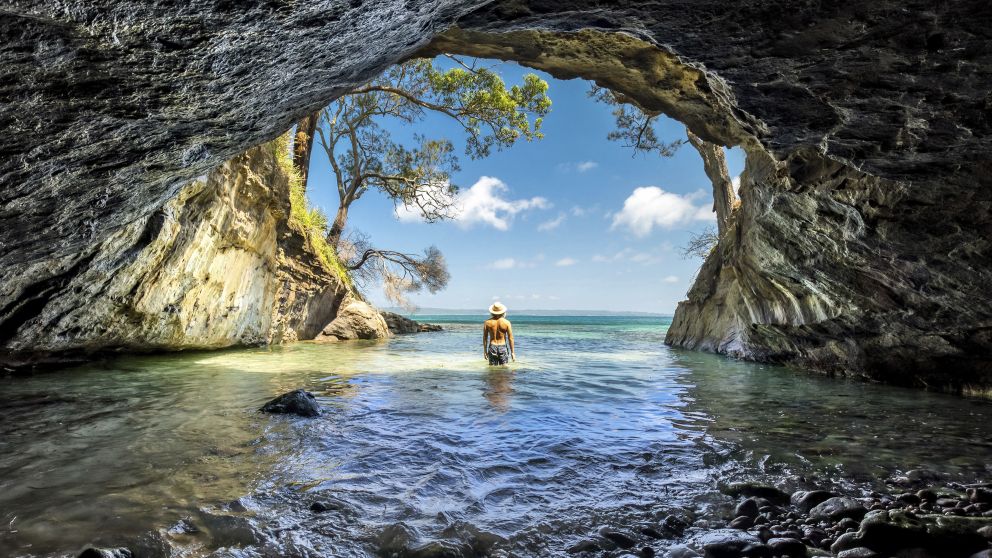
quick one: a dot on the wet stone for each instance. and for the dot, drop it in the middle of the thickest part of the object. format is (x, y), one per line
(743, 522)
(616, 537)
(727, 543)
(808, 500)
(748, 508)
(752, 489)
(297, 402)
(587, 545)
(652, 532)
(787, 547)
(838, 508)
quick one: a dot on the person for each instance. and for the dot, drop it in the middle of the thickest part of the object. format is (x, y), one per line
(497, 337)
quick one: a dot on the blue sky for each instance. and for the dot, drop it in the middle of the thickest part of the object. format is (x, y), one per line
(570, 222)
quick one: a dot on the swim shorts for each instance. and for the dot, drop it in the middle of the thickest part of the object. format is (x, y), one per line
(498, 355)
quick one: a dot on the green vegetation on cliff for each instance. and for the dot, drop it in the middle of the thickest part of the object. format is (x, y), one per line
(308, 220)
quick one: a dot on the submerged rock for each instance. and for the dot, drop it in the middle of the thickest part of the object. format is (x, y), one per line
(296, 402)
(758, 490)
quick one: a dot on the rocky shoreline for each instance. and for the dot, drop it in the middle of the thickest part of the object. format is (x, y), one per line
(914, 520)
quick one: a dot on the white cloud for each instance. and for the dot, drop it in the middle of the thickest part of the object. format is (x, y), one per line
(504, 263)
(671, 279)
(649, 207)
(482, 203)
(586, 166)
(628, 255)
(565, 262)
(578, 211)
(552, 224)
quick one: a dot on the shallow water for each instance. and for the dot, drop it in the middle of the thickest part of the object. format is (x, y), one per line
(598, 424)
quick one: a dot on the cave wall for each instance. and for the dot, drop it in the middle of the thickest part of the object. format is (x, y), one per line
(218, 265)
(863, 223)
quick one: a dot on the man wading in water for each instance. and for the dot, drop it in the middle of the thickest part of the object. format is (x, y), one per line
(497, 333)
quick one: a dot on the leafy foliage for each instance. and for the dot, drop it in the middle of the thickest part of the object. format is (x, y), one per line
(364, 156)
(634, 126)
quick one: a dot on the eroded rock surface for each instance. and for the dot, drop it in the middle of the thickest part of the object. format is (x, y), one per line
(861, 247)
(401, 325)
(217, 266)
(355, 319)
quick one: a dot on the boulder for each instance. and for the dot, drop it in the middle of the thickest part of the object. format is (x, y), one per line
(296, 402)
(356, 319)
(727, 543)
(756, 490)
(837, 508)
(806, 501)
(400, 325)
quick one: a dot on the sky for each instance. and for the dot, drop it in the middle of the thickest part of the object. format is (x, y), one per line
(573, 221)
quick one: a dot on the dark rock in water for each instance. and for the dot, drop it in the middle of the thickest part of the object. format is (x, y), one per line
(330, 504)
(94, 552)
(927, 495)
(743, 522)
(182, 527)
(748, 508)
(399, 325)
(675, 524)
(837, 508)
(622, 540)
(728, 543)
(229, 530)
(296, 402)
(858, 552)
(652, 532)
(983, 495)
(646, 552)
(986, 532)
(787, 547)
(752, 489)
(847, 523)
(909, 499)
(587, 545)
(682, 551)
(809, 500)
(396, 539)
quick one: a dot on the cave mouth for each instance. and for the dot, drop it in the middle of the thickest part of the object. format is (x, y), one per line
(534, 205)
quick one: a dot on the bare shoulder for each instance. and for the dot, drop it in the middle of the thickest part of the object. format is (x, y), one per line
(504, 322)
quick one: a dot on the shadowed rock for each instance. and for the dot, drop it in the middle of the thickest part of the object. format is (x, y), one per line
(296, 402)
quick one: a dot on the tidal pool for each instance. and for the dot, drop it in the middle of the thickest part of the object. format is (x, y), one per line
(423, 446)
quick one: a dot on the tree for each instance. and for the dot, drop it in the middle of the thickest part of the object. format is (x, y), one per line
(401, 274)
(634, 125)
(363, 156)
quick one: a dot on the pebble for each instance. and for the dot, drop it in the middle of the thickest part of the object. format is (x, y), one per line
(748, 508)
(859, 552)
(622, 540)
(743, 522)
(587, 545)
(787, 547)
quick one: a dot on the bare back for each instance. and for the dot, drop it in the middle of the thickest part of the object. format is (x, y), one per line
(498, 330)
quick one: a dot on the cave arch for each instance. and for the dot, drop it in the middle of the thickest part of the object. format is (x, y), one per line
(863, 247)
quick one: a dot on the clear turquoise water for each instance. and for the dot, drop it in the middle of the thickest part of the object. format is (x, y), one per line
(597, 424)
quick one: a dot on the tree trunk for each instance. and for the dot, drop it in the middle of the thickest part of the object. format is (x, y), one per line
(715, 165)
(340, 220)
(303, 144)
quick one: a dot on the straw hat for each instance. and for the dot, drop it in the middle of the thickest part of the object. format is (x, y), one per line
(497, 309)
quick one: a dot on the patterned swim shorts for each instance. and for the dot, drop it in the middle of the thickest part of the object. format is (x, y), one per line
(498, 355)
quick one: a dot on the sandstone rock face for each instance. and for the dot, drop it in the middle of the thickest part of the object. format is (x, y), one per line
(216, 266)
(862, 245)
(355, 319)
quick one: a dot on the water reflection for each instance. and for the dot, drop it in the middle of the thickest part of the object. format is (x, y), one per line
(499, 387)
